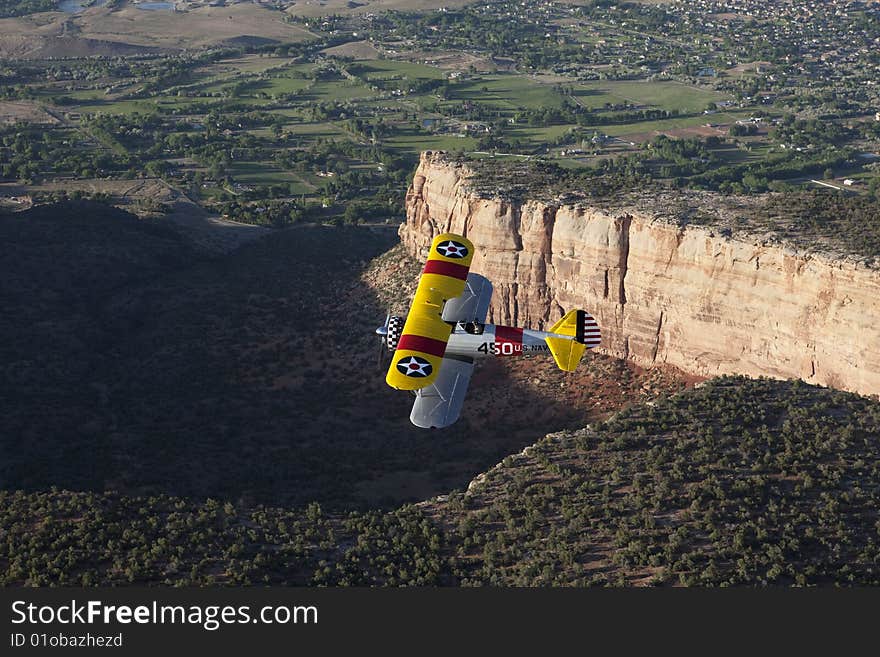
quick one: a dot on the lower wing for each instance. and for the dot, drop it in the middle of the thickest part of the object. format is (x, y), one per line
(439, 404)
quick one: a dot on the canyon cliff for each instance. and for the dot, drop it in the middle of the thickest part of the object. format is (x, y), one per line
(707, 300)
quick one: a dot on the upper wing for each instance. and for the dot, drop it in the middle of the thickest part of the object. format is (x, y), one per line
(473, 304)
(439, 404)
(420, 349)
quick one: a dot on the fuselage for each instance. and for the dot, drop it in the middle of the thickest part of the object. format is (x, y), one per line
(479, 341)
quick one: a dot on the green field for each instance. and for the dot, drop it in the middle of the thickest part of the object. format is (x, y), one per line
(653, 94)
(734, 155)
(642, 127)
(148, 106)
(251, 63)
(170, 103)
(283, 85)
(317, 130)
(409, 140)
(507, 93)
(341, 90)
(385, 69)
(259, 172)
(539, 136)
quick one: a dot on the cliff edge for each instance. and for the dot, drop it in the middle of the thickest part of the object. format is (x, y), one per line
(706, 299)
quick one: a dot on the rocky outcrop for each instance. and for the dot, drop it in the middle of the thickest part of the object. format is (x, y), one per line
(689, 296)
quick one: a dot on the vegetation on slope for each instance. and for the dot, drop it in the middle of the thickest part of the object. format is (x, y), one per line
(738, 482)
(849, 222)
(61, 538)
(24, 7)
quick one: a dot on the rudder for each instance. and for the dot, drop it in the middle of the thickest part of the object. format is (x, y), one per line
(580, 325)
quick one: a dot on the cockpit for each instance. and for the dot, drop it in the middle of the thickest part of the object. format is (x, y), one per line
(474, 328)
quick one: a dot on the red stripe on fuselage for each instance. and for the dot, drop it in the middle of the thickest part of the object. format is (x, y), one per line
(508, 334)
(423, 344)
(446, 269)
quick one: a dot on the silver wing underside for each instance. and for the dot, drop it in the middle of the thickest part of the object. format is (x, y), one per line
(473, 304)
(439, 404)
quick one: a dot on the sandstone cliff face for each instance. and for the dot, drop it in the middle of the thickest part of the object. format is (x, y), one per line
(662, 293)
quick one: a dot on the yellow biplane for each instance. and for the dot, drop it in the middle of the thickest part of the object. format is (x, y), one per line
(435, 346)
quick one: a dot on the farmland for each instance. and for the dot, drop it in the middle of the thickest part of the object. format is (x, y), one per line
(332, 107)
(307, 131)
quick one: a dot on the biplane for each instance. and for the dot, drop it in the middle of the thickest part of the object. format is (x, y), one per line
(434, 347)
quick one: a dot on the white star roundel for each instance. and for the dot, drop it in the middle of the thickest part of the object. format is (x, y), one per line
(414, 366)
(452, 249)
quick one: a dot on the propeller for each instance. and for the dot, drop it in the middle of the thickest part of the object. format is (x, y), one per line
(382, 332)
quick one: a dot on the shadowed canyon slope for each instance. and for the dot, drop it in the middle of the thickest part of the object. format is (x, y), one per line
(697, 297)
(130, 360)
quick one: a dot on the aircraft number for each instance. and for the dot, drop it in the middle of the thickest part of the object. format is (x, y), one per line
(500, 348)
(509, 348)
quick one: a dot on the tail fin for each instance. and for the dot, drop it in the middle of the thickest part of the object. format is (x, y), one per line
(580, 325)
(583, 333)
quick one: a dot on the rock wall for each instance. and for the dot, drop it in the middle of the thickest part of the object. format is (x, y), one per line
(662, 293)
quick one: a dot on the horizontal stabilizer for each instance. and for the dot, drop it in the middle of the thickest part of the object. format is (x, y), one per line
(566, 352)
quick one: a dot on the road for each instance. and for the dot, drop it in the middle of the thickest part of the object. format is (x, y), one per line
(825, 184)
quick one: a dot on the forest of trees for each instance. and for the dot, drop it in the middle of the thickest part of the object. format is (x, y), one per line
(22, 7)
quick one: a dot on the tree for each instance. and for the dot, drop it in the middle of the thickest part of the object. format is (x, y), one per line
(352, 214)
